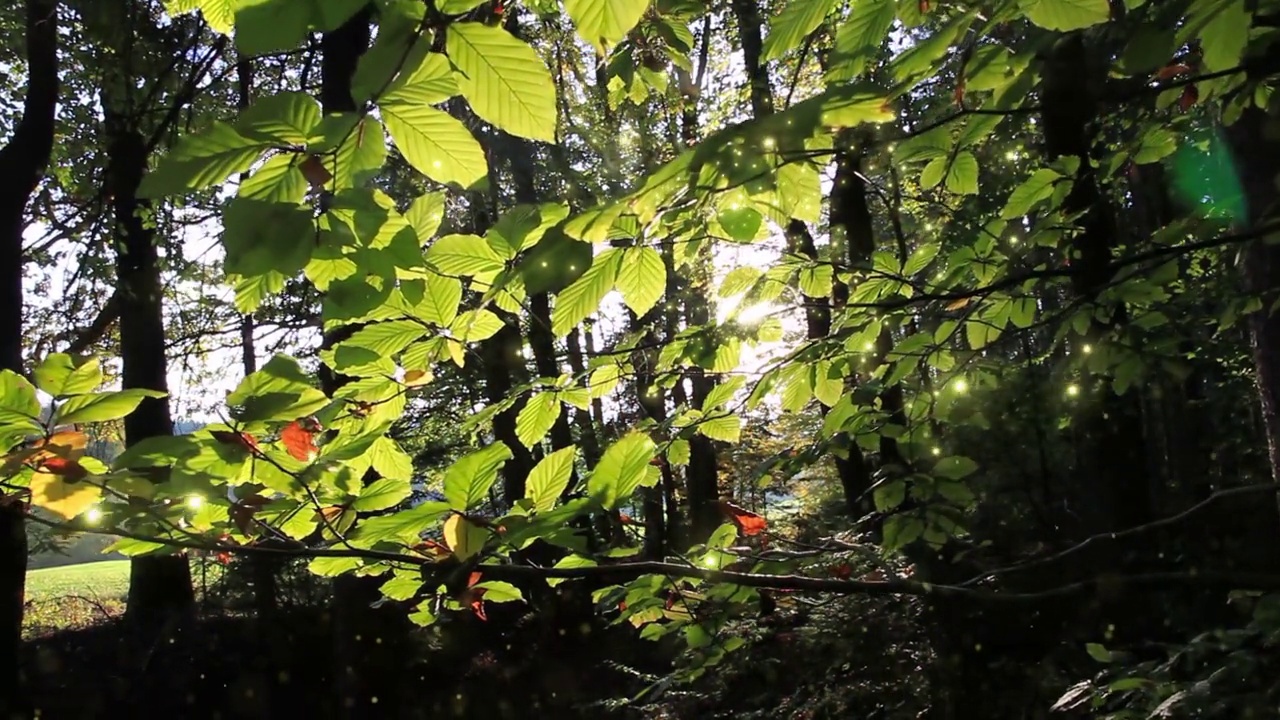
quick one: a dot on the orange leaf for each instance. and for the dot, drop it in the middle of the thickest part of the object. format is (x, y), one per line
(473, 579)
(957, 304)
(300, 442)
(748, 522)
(477, 606)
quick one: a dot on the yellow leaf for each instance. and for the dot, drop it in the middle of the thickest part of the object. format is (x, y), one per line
(463, 537)
(58, 496)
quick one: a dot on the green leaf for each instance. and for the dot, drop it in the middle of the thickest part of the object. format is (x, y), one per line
(797, 19)
(386, 338)
(261, 237)
(475, 325)
(623, 468)
(921, 258)
(278, 180)
(279, 391)
(428, 82)
(858, 39)
(739, 280)
(403, 585)
(583, 297)
(504, 80)
(353, 146)
(549, 478)
(268, 26)
(465, 255)
(962, 177)
(382, 494)
(435, 144)
(890, 495)
(1032, 191)
(571, 561)
(467, 481)
(536, 418)
(901, 530)
(642, 278)
(287, 118)
(499, 591)
(604, 23)
(1225, 37)
(201, 160)
(100, 407)
(1064, 15)
(828, 385)
(955, 467)
(404, 527)
(219, 14)
(62, 375)
(727, 428)
(390, 460)
(425, 214)
(603, 380)
(440, 302)
(742, 224)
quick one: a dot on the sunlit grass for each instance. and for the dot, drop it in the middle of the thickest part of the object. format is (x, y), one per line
(74, 596)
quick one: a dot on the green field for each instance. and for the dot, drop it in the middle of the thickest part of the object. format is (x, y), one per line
(75, 595)
(106, 580)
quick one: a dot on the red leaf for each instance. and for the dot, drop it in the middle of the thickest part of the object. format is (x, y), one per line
(1172, 70)
(69, 470)
(477, 606)
(224, 557)
(300, 442)
(842, 571)
(473, 579)
(625, 519)
(924, 6)
(1189, 97)
(748, 522)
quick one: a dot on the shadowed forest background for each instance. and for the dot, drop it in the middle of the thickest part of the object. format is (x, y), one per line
(640, 359)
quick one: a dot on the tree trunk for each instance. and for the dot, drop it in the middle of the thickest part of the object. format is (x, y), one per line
(24, 160)
(160, 592)
(1255, 142)
(1118, 484)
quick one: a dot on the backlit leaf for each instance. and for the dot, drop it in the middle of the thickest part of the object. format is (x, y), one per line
(504, 80)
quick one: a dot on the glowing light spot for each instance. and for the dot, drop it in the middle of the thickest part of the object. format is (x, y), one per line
(93, 515)
(936, 451)
(710, 561)
(195, 502)
(544, 263)
(573, 267)
(961, 386)
(1073, 390)
(1087, 349)
(868, 346)
(1013, 240)
(1011, 155)
(770, 143)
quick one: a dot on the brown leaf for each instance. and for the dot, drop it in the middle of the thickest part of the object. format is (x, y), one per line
(1190, 95)
(960, 303)
(239, 439)
(317, 175)
(1172, 70)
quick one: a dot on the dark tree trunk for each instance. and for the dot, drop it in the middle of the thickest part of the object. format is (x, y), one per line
(24, 160)
(160, 592)
(1254, 143)
(587, 439)
(1115, 465)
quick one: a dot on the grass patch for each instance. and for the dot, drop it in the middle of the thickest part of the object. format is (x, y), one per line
(74, 596)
